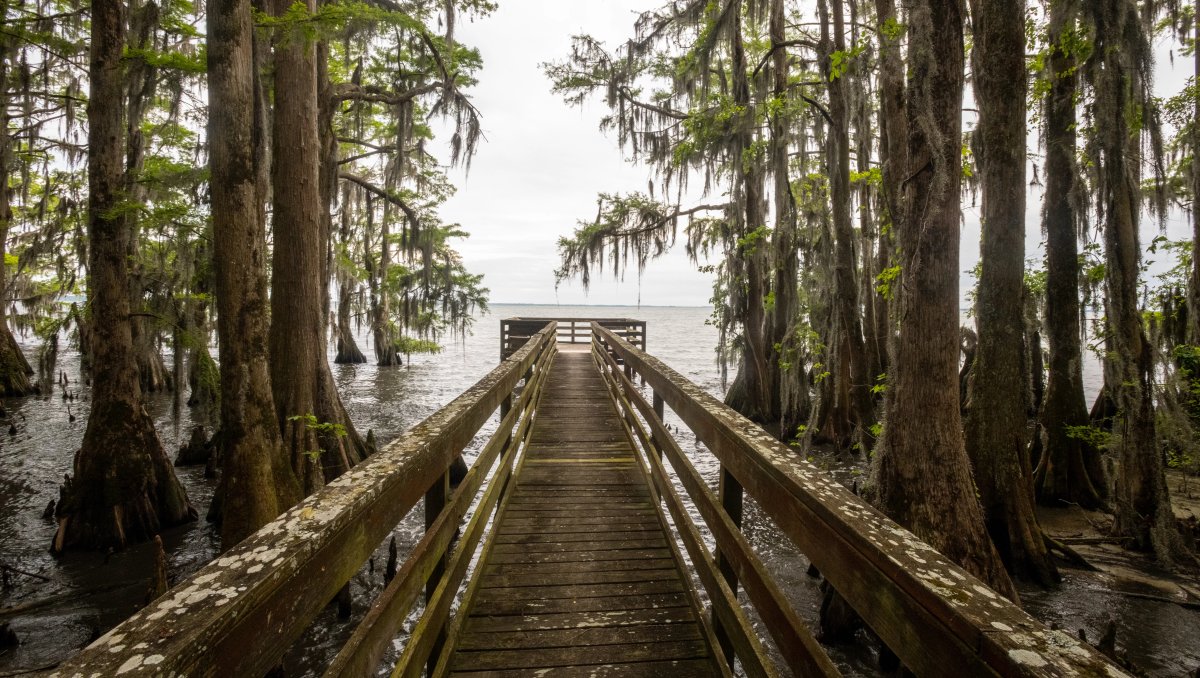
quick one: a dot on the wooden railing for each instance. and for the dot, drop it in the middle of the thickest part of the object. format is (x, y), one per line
(239, 614)
(514, 332)
(936, 617)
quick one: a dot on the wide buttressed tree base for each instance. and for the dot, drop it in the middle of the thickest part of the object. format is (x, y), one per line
(14, 368)
(124, 489)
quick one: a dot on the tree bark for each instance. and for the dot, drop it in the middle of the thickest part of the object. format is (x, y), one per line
(921, 476)
(257, 481)
(348, 351)
(1143, 508)
(14, 367)
(851, 408)
(1194, 280)
(124, 489)
(893, 132)
(998, 393)
(794, 399)
(1069, 469)
(757, 376)
(302, 384)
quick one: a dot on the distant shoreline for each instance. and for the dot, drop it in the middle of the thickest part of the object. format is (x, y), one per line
(520, 303)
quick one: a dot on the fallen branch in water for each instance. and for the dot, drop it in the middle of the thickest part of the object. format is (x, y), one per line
(9, 568)
(1093, 540)
(23, 608)
(1069, 554)
(1185, 604)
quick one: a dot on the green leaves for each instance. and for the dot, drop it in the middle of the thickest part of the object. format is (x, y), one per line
(841, 60)
(885, 282)
(297, 22)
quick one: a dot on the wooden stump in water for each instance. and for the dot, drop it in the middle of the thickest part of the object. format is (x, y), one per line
(198, 449)
(8, 639)
(158, 580)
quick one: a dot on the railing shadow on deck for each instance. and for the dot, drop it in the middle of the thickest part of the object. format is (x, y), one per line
(937, 618)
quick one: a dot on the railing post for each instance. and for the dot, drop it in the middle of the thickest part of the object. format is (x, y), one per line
(435, 501)
(658, 412)
(730, 495)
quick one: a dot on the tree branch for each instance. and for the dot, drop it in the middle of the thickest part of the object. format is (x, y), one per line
(352, 92)
(386, 195)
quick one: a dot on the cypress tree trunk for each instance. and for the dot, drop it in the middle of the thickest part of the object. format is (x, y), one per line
(1194, 281)
(1069, 470)
(385, 341)
(141, 86)
(893, 132)
(1143, 508)
(257, 482)
(302, 384)
(348, 351)
(14, 368)
(124, 489)
(997, 401)
(851, 409)
(794, 400)
(755, 393)
(921, 476)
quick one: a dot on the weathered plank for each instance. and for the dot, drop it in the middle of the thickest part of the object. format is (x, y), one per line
(579, 591)
(687, 668)
(530, 658)
(578, 620)
(587, 636)
(585, 566)
(534, 577)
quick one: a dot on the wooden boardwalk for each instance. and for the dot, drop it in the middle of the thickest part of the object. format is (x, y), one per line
(581, 577)
(576, 572)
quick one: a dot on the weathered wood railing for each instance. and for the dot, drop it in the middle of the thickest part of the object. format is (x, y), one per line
(938, 619)
(514, 332)
(239, 614)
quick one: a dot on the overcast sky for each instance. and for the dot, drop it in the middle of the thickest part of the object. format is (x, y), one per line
(543, 163)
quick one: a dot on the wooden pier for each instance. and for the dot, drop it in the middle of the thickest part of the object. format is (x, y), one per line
(571, 548)
(581, 572)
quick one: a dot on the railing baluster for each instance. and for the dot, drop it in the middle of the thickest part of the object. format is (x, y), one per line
(435, 501)
(729, 493)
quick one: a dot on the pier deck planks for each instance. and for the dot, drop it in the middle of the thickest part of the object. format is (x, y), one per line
(580, 579)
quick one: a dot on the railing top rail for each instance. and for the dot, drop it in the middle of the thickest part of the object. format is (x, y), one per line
(561, 319)
(938, 618)
(238, 614)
